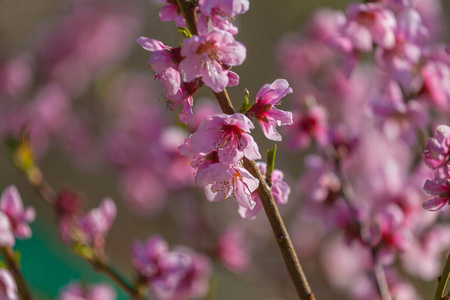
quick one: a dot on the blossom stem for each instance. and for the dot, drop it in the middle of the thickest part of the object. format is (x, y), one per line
(10, 261)
(276, 222)
(442, 280)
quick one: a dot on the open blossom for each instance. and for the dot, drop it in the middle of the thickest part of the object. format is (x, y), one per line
(370, 23)
(19, 217)
(220, 182)
(6, 235)
(310, 125)
(400, 60)
(164, 61)
(229, 135)
(264, 108)
(280, 191)
(437, 152)
(8, 287)
(91, 227)
(75, 291)
(220, 13)
(172, 275)
(232, 251)
(170, 12)
(440, 190)
(210, 57)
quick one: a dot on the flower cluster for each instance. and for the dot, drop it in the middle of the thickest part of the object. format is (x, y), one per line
(216, 150)
(203, 58)
(348, 111)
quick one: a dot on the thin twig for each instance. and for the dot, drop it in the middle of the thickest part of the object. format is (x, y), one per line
(48, 194)
(117, 278)
(442, 280)
(380, 277)
(10, 261)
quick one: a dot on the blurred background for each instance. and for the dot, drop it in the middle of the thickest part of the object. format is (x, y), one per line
(102, 133)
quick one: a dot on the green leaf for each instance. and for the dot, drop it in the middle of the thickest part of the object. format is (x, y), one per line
(270, 158)
(184, 32)
(245, 106)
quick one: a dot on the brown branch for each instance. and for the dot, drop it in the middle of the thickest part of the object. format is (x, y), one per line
(279, 230)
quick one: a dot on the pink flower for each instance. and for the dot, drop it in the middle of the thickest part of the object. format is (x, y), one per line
(171, 275)
(220, 13)
(97, 222)
(185, 275)
(436, 83)
(220, 182)
(210, 57)
(146, 256)
(90, 228)
(232, 251)
(264, 108)
(229, 135)
(170, 12)
(280, 192)
(437, 152)
(19, 217)
(439, 189)
(164, 61)
(399, 118)
(8, 287)
(401, 59)
(6, 235)
(310, 125)
(75, 291)
(423, 258)
(370, 23)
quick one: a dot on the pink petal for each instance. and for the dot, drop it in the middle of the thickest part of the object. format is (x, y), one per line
(214, 76)
(11, 202)
(435, 204)
(168, 12)
(151, 44)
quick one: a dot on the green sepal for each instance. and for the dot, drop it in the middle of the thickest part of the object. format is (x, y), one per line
(84, 251)
(245, 106)
(184, 32)
(270, 159)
